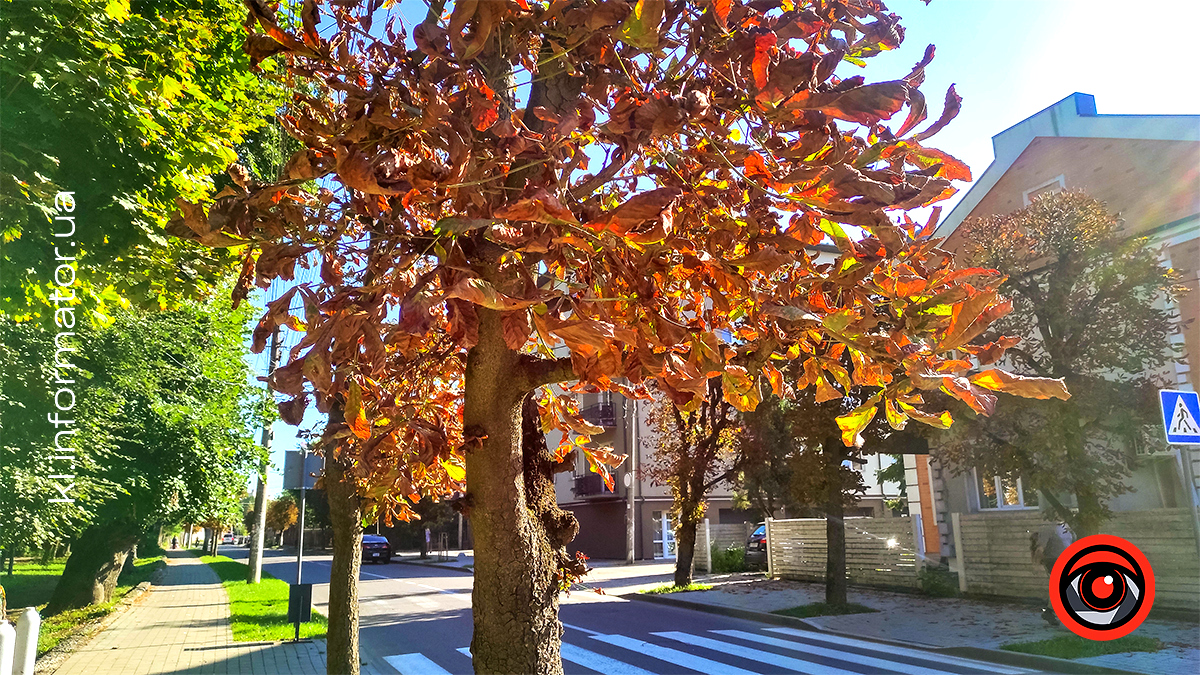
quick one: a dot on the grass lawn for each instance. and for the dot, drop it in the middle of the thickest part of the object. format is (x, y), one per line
(672, 588)
(32, 584)
(822, 609)
(258, 612)
(1075, 647)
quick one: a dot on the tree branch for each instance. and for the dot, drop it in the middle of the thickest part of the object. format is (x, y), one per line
(537, 372)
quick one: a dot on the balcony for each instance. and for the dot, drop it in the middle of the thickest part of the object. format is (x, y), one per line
(601, 414)
(589, 484)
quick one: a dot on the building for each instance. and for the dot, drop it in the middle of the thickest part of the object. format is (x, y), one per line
(602, 513)
(1147, 169)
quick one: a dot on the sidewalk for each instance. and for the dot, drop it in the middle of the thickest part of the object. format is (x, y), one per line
(182, 626)
(942, 622)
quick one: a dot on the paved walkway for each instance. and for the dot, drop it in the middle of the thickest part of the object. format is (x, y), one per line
(182, 626)
(945, 622)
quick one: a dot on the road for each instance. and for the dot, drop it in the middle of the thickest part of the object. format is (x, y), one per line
(417, 620)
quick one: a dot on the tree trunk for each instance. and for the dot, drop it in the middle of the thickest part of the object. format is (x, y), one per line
(519, 531)
(345, 513)
(91, 572)
(835, 525)
(685, 549)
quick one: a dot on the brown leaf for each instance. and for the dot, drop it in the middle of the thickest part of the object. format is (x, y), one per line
(540, 207)
(1020, 385)
(516, 328)
(865, 105)
(292, 411)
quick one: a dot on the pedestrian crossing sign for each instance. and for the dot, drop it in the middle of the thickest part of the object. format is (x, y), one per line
(1181, 416)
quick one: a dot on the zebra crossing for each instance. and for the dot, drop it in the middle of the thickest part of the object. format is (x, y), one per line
(721, 652)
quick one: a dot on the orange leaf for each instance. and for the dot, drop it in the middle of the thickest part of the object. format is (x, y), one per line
(355, 417)
(1019, 385)
(762, 58)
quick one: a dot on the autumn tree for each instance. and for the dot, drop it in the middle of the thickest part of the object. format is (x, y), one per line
(282, 513)
(633, 183)
(694, 453)
(1088, 307)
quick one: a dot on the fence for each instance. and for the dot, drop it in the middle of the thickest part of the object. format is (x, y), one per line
(879, 551)
(994, 553)
(721, 535)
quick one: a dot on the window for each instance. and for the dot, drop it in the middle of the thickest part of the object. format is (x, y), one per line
(1048, 188)
(1002, 492)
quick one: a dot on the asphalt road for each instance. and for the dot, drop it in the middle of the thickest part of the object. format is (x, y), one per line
(416, 620)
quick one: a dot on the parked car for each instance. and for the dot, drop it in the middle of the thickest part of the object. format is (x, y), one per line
(227, 538)
(376, 549)
(756, 548)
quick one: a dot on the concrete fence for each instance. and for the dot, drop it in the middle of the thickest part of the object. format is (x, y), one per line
(993, 553)
(879, 551)
(18, 646)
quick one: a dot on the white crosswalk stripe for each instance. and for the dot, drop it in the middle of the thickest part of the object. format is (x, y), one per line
(797, 665)
(697, 663)
(835, 655)
(847, 656)
(598, 662)
(415, 664)
(899, 651)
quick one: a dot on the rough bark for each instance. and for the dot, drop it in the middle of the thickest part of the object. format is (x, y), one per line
(685, 551)
(835, 525)
(518, 529)
(91, 572)
(345, 514)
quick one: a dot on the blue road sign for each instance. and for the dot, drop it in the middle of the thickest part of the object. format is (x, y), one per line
(1181, 416)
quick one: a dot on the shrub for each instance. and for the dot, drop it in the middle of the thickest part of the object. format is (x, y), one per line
(937, 582)
(732, 559)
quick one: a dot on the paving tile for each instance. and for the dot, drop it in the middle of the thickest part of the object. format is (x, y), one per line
(182, 626)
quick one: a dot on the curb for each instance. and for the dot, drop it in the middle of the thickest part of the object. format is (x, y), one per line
(1002, 657)
(437, 565)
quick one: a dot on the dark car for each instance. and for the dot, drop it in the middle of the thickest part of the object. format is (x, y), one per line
(756, 548)
(376, 549)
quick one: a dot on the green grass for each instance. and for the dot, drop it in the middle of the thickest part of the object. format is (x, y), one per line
(822, 609)
(32, 585)
(672, 588)
(1075, 647)
(258, 612)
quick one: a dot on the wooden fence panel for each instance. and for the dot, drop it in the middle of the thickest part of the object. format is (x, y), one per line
(997, 556)
(879, 551)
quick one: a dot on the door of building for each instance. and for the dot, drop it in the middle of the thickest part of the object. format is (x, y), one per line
(664, 535)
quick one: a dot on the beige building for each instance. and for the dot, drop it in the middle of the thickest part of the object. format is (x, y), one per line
(1147, 169)
(602, 513)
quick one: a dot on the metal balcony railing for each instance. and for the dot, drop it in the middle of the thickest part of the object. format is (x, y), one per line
(600, 414)
(589, 484)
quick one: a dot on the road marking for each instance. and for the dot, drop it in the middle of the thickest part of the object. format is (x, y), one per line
(903, 651)
(371, 574)
(672, 656)
(415, 664)
(465, 651)
(754, 654)
(598, 662)
(849, 657)
(580, 629)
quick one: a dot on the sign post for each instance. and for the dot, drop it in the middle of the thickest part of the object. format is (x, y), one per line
(299, 473)
(1181, 421)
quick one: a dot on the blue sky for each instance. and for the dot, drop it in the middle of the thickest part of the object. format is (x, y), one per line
(1008, 59)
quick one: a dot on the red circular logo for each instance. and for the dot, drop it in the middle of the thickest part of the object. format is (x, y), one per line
(1102, 587)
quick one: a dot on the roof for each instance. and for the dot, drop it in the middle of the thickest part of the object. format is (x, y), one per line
(1073, 117)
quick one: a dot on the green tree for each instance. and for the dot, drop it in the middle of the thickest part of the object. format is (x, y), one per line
(162, 401)
(765, 445)
(1087, 307)
(128, 105)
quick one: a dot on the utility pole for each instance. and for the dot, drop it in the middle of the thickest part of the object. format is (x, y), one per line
(254, 573)
(631, 480)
